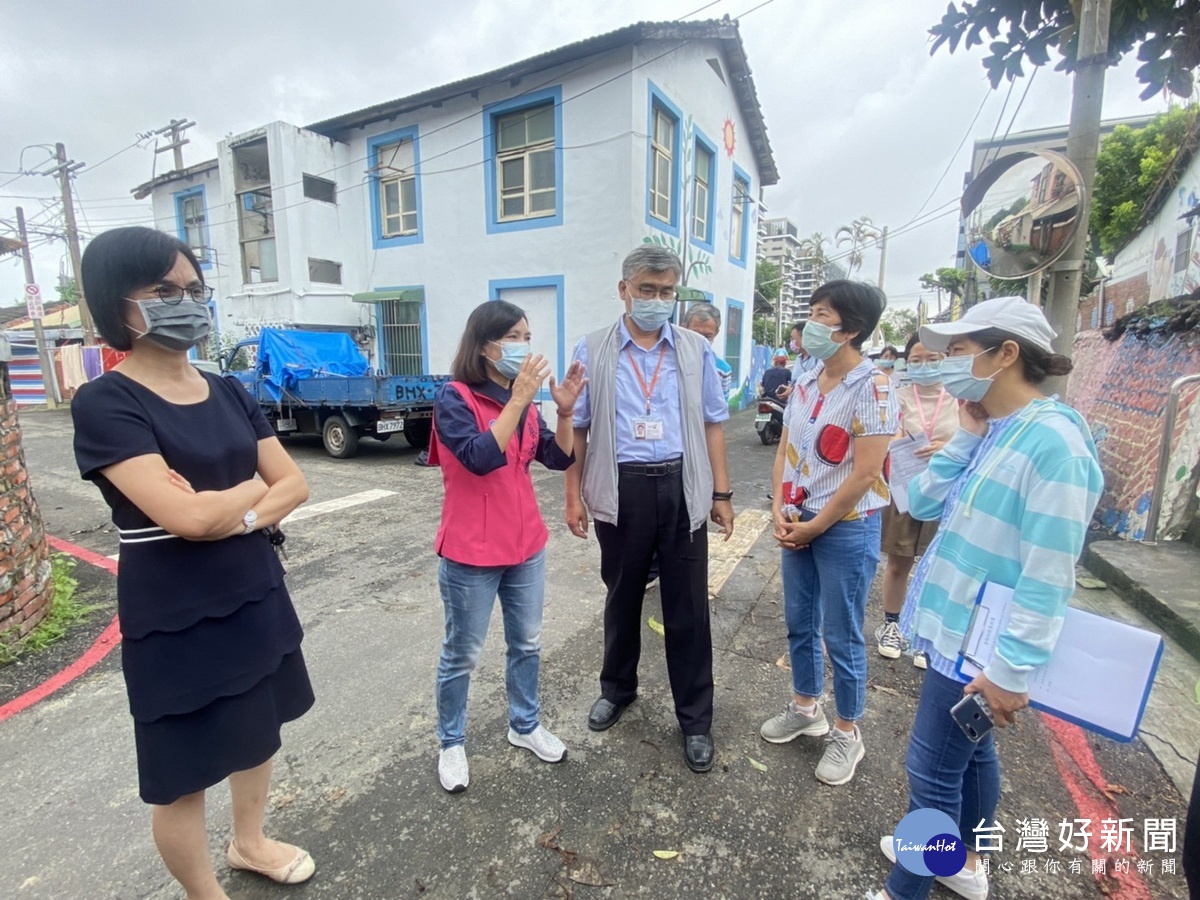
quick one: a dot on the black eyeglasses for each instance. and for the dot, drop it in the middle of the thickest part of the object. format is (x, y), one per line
(173, 296)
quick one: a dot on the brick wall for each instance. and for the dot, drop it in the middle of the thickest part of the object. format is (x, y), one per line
(1121, 389)
(1120, 298)
(26, 588)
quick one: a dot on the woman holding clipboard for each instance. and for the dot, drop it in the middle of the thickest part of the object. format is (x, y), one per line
(1015, 488)
(926, 407)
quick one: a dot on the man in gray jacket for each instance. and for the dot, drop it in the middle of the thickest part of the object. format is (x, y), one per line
(650, 466)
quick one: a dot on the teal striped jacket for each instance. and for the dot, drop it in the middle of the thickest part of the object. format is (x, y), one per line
(1019, 520)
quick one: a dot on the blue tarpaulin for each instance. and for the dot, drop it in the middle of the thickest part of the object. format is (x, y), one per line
(287, 357)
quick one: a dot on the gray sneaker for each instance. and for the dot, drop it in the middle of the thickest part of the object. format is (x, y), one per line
(843, 752)
(791, 723)
(453, 771)
(889, 641)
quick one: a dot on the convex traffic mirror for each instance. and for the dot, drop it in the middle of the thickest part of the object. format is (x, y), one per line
(1022, 212)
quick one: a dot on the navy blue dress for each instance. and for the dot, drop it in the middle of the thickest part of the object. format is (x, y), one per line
(211, 642)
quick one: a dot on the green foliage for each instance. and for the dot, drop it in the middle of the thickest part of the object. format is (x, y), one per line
(768, 279)
(1166, 34)
(65, 611)
(764, 330)
(1130, 166)
(948, 278)
(67, 291)
(897, 325)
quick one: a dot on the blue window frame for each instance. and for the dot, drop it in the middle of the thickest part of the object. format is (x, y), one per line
(735, 321)
(191, 222)
(741, 206)
(497, 285)
(703, 199)
(395, 161)
(663, 172)
(516, 161)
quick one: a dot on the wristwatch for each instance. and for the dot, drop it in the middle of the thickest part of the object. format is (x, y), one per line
(722, 495)
(249, 520)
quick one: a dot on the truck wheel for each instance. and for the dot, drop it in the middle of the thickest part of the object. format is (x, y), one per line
(341, 441)
(417, 432)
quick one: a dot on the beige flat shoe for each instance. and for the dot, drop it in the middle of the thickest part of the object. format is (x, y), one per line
(299, 869)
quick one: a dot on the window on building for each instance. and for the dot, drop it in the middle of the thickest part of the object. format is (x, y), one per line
(1183, 249)
(256, 214)
(320, 189)
(525, 166)
(192, 224)
(737, 218)
(662, 163)
(733, 339)
(396, 169)
(324, 271)
(701, 194)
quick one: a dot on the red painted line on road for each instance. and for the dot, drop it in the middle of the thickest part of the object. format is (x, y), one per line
(1078, 768)
(82, 553)
(101, 647)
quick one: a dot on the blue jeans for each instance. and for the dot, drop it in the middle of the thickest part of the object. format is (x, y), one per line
(825, 591)
(469, 593)
(947, 772)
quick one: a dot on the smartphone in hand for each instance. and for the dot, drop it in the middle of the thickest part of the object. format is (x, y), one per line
(973, 716)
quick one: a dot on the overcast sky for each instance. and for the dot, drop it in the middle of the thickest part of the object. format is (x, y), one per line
(861, 119)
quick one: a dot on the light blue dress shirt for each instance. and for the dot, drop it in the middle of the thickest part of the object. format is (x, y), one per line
(664, 399)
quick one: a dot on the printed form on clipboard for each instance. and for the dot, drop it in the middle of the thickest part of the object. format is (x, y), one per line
(1098, 677)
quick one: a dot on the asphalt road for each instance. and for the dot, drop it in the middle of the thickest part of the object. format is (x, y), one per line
(356, 781)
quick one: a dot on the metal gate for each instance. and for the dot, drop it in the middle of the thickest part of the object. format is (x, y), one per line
(400, 337)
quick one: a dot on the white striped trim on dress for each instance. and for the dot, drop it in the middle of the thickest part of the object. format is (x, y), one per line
(152, 534)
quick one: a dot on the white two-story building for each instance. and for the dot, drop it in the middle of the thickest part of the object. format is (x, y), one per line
(529, 183)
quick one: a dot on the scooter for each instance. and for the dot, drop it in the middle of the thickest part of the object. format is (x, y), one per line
(769, 421)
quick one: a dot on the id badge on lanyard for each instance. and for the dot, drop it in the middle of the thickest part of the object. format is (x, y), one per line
(648, 427)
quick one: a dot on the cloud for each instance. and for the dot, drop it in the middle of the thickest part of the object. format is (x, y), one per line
(862, 120)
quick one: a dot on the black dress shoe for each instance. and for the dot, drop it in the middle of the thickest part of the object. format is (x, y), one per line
(605, 714)
(698, 751)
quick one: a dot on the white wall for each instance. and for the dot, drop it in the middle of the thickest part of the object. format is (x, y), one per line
(1152, 251)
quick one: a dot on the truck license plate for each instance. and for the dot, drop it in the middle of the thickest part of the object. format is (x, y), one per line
(388, 426)
(762, 418)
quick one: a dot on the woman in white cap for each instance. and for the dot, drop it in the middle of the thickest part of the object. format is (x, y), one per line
(1015, 489)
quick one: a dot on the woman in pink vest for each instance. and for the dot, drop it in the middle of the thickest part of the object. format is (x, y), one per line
(492, 537)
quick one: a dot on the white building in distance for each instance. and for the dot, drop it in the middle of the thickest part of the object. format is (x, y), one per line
(529, 183)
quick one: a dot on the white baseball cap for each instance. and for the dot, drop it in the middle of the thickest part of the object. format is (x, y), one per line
(1014, 315)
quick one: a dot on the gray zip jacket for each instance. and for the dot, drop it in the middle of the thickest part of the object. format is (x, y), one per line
(600, 464)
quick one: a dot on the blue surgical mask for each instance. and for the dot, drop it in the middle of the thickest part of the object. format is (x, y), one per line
(818, 340)
(886, 364)
(651, 315)
(959, 381)
(512, 355)
(925, 373)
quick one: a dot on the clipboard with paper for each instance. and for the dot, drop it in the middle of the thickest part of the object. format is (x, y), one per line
(1098, 677)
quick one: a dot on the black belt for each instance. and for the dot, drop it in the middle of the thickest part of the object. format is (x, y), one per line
(651, 470)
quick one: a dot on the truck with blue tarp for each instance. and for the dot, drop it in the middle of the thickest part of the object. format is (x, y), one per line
(319, 382)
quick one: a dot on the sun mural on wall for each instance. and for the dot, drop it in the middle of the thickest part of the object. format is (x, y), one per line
(730, 136)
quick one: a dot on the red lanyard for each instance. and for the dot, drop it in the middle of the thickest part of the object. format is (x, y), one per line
(647, 391)
(926, 426)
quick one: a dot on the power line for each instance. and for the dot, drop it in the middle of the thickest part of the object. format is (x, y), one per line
(954, 155)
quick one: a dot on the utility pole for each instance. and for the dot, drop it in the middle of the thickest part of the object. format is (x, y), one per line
(49, 382)
(175, 130)
(882, 255)
(64, 170)
(1083, 144)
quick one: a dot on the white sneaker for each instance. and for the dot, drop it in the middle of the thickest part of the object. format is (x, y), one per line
(921, 660)
(889, 641)
(970, 884)
(791, 723)
(453, 771)
(843, 752)
(541, 743)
